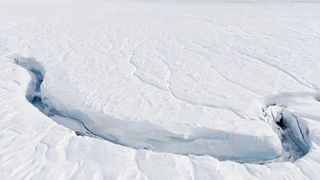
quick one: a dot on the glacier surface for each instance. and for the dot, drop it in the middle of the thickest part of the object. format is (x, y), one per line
(159, 90)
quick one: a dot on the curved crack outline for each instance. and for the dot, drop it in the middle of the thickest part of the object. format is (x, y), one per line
(34, 94)
(283, 125)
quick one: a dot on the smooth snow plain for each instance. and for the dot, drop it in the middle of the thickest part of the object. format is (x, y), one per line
(159, 90)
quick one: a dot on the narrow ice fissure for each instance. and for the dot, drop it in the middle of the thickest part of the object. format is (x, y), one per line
(34, 97)
(161, 140)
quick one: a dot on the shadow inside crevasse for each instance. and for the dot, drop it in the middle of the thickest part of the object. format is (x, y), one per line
(149, 136)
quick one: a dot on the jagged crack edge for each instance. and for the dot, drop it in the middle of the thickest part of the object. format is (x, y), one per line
(33, 95)
(293, 147)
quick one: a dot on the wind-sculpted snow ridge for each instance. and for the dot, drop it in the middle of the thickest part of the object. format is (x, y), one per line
(293, 135)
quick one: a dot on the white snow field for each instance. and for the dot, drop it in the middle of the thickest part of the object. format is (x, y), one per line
(159, 90)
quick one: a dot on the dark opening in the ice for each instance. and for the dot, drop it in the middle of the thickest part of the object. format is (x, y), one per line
(151, 143)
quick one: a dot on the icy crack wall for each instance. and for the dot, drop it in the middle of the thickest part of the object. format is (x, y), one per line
(294, 136)
(33, 95)
(143, 135)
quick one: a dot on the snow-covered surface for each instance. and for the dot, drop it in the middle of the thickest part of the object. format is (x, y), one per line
(159, 90)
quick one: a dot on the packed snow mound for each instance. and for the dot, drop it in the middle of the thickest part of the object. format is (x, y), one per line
(159, 90)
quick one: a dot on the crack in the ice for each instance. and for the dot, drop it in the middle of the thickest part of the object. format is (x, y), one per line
(163, 138)
(286, 123)
(187, 101)
(285, 72)
(34, 95)
(299, 127)
(136, 74)
(209, 50)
